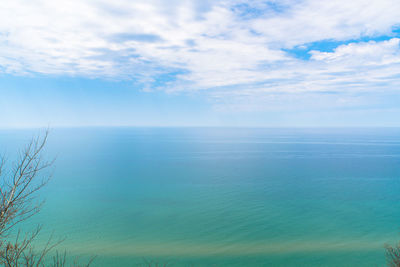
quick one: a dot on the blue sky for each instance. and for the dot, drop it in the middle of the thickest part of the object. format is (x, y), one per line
(200, 63)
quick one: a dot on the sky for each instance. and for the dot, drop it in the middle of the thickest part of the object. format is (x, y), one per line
(271, 63)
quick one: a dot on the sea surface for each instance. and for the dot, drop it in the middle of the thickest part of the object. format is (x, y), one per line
(220, 196)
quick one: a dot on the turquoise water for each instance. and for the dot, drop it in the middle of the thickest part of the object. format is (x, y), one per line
(222, 197)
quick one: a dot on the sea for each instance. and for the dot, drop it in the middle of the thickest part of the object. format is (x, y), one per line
(135, 196)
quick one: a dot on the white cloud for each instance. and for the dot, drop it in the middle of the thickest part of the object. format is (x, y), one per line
(233, 47)
(376, 53)
(314, 20)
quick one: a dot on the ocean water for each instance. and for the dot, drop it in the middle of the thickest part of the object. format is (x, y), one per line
(221, 196)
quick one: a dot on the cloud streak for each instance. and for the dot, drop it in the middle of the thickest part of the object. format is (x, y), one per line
(235, 51)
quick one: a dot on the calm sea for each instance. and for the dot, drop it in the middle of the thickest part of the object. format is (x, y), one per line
(221, 196)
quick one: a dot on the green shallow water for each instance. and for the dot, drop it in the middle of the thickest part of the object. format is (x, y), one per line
(222, 197)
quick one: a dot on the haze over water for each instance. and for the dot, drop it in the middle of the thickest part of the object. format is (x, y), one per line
(222, 196)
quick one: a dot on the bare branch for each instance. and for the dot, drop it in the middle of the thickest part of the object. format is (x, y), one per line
(17, 195)
(18, 202)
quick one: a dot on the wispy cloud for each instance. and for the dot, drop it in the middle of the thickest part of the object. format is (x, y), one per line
(237, 51)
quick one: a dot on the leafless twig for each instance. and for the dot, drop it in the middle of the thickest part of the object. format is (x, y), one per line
(18, 202)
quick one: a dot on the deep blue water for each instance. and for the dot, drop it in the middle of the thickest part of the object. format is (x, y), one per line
(221, 196)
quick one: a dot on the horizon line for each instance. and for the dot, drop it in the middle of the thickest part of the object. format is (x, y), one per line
(194, 126)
